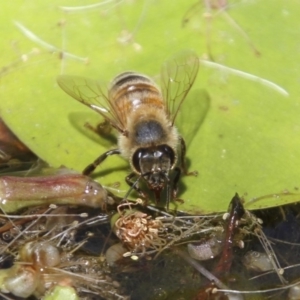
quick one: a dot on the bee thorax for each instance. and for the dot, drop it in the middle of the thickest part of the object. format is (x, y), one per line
(147, 127)
(148, 132)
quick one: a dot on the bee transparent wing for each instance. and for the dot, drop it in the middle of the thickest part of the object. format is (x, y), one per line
(192, 114)
(178, 75)
(90, 92)
(193, 10)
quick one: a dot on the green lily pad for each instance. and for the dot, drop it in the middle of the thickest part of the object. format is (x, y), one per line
(248, 141)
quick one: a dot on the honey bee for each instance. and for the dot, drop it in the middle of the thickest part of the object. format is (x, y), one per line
(144, 115)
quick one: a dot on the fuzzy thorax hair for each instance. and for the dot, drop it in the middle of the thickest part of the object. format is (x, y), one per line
(147, 127)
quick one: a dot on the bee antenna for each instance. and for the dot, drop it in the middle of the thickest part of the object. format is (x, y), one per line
(132, 187)
(166, 177)
(145, 174)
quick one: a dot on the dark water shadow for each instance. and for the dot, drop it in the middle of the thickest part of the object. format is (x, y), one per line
(93, 126)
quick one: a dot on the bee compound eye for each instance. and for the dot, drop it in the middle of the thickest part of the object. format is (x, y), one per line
(167, 151)
(136, 158)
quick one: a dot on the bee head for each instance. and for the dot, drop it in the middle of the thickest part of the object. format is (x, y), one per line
(154, 164)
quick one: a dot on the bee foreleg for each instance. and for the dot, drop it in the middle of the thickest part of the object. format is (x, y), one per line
(183, 159)
(90, 168)
(175, 187)
(134, 184)
(175, 182)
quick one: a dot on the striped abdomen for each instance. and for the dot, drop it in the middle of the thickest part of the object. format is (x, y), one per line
(129, 91)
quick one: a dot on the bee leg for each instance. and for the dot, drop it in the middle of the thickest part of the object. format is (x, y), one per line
(175, 182)
(103, 129)
(90, 168)
(175, 186)
(134, 185)
(183, 161)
